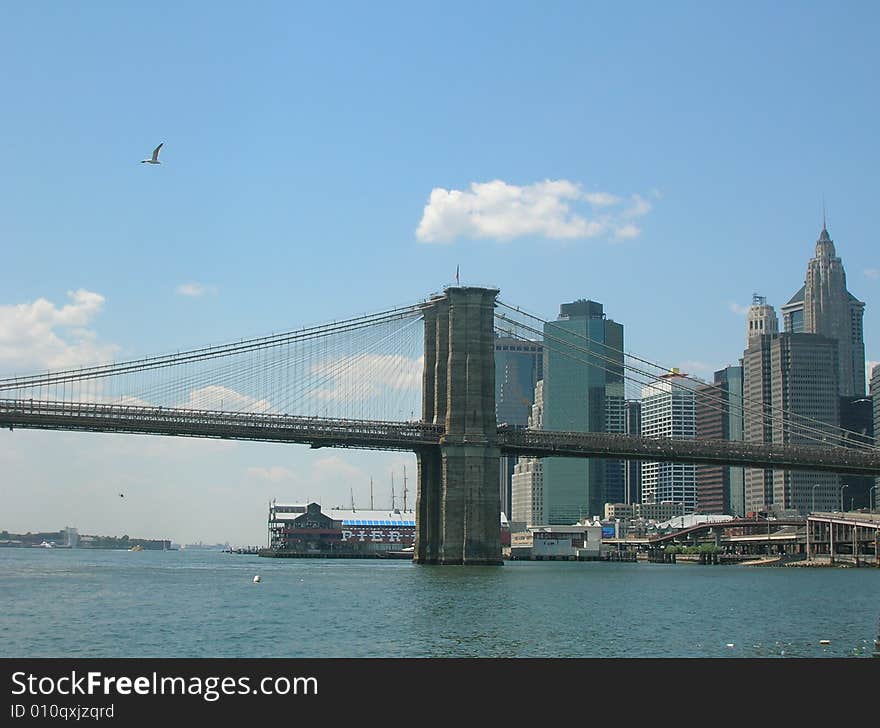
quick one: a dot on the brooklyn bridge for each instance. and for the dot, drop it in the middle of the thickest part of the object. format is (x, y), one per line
(418, 378)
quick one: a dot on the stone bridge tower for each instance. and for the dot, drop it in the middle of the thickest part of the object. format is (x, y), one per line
(458, 507)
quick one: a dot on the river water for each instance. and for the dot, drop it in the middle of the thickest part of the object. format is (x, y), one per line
(82, 603)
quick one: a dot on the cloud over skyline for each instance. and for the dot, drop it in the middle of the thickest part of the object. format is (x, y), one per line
(554, 209)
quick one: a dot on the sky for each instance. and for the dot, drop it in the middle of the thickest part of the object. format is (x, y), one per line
(323, 160)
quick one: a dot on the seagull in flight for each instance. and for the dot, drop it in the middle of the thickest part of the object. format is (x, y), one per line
(122, 495)
(155, 158)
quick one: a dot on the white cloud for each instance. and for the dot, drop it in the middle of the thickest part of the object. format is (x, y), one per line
(40, 335)
(194, 290)
(639, 207)
(872, 273)
(738, 308)
(628, 231)
(552, 209)
(215, 397)
(601, 199)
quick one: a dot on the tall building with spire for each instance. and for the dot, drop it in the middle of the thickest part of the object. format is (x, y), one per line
(824, 306)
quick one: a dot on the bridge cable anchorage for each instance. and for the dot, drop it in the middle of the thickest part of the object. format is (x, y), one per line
(822, 434)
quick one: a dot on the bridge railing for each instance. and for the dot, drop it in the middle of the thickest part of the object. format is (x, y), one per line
(44, 414)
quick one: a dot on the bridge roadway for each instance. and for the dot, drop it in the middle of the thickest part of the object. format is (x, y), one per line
(265, 427)
(369, 434)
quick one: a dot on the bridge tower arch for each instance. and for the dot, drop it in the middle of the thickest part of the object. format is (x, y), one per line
(458, 506)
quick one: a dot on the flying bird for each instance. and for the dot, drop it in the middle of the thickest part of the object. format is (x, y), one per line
(155, 158)
(122, 495)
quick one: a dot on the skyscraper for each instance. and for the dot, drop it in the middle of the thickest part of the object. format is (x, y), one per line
(824, 306)
(668, 410)
(875, 397)
(583, 392)
(857, 421)
(527, 481)
(518, 368)
(719, 416)
(790, 396)
(761, 319)
(632, 489)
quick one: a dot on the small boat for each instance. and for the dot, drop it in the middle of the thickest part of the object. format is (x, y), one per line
(136, 547)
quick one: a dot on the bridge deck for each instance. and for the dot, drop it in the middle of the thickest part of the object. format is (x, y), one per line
(368, 434)
(544, 443)
(312, 431)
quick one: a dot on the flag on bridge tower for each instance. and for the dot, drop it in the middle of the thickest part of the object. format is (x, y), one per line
(456, 276)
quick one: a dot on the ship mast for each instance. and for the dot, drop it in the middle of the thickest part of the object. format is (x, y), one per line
(404, 488)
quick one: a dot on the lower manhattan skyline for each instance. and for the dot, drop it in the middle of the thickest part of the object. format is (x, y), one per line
(316, 171)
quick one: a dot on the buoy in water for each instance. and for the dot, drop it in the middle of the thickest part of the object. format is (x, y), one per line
(730, 644)
(257, 579)
(824, 642)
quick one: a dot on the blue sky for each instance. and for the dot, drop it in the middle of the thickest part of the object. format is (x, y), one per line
(302, 146)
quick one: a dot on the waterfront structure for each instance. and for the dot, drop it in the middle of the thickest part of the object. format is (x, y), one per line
(622, 511)
(662, 511)
(668, 411)
(823, 305)
(518, 368)
(632, 474)
(790, 384)
(578, 541)
(583, 392)
(659, 511)
(719, 416)
(304, 529)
